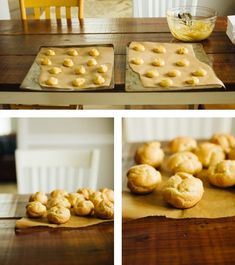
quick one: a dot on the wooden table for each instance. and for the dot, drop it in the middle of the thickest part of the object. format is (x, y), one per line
(83, 246)
(165, 241)
(20, 42)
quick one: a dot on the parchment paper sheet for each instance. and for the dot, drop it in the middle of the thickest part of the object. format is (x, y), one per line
(67, 76)
(170, 58)
(74, 222)
(215, 203)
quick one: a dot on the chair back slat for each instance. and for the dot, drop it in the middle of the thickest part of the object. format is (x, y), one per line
(37, 13)
(46, 170)
(47, 13)
(45, 5)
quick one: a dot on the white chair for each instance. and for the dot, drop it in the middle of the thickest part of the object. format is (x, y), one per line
(4, 10)
(157, 8)
(46, 170)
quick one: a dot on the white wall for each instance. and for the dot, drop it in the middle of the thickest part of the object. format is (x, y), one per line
(225, 7)
(34, 133)
(4, 9)
(145, 129)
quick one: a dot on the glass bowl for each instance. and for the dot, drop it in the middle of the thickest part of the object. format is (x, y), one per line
(191, 23)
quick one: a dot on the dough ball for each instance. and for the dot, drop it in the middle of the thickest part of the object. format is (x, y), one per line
(83, 207)
(150, 153)
(99, 80)
(182, 62)
(86, 192)
(137, 61)
(68, 62)
(55, 70)
(158, 62)
(138, 47)
(151, 74)
(200, 72)
(80, 70)
(143, 179)
(58, 215)
(39, 196)
(94, 52)
(102, 68)
(45, 61)
(35, 209)
(182, 143)
(159, 49)
(92, 62)
(209, 154)
(58, 201)
(184, 161)
(166, 82)
(52, 81)
(174, 73)
(78, 82)
(192, 81)
(222, 174)
(183, 190)
(182, 50)
(97, 197)
(72, 52)
(225, 140)
(105, 210)
(50, 52)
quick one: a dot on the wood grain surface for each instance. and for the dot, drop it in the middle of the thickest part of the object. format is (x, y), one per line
(85, 246)
(20, 42)
(158, 240)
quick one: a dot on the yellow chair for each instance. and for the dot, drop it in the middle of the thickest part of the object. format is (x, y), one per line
(38, 6)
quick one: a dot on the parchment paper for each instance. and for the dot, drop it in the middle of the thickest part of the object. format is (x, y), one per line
(170, 57)
(74, 222)
(215, 203)
(65, 78)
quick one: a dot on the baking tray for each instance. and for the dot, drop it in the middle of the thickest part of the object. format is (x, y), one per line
(134, 84)
(31, 79)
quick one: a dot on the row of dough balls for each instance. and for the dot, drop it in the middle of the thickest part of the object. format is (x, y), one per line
(74, 52)
(58, 207)
(166, 82)
(159, 49)
(78, 82)
(182, 190)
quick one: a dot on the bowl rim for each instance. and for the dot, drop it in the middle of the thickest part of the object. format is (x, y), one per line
(213, 11)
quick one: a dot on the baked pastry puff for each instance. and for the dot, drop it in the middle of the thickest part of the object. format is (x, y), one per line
(104, 210)
(96, 197)
(58, 193)
(222, 174)
(184, 162)
(58, 201)
(35, 209)
(58, 215)
(83, 207)
(39, 196)
(108, 194)
(231, 154)
(73, 196)
(143, 179)
(150, 153)
(225, 140)
(182, 143)
(183, 190)
(209, 153)
(86, 192)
